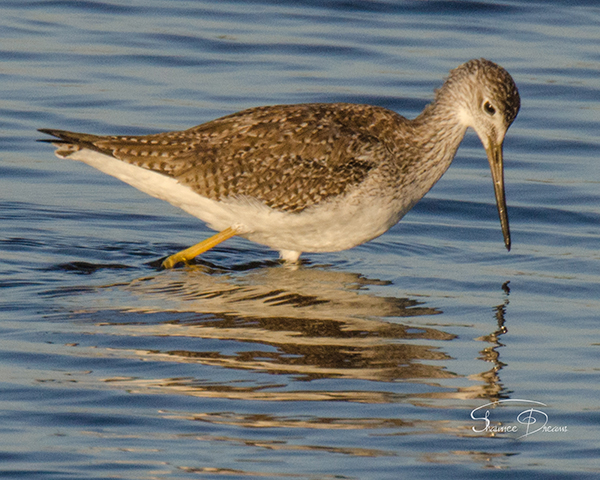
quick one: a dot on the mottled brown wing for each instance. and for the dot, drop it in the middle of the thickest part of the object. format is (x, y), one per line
(288, 157)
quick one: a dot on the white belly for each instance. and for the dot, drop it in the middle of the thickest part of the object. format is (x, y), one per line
(331, 226)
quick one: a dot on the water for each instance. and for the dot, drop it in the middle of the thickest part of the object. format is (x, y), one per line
(363, 364)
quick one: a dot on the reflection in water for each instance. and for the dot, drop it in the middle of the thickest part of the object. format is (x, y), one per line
(309, 323)
(492, 385)
(488, 384)
(304, 324)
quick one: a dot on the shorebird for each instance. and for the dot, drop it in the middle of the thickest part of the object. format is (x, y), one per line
(315, 177)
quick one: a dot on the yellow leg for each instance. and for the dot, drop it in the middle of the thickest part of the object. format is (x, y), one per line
(199, 248)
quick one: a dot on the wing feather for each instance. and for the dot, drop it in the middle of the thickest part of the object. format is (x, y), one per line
(289, 157)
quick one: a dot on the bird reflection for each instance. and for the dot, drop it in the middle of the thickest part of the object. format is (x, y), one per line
(310, 323)
(492, 386)
(304, 324)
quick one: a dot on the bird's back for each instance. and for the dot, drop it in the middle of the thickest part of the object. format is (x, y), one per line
(288, 157)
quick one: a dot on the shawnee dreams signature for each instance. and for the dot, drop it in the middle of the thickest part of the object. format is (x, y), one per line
(531, 420)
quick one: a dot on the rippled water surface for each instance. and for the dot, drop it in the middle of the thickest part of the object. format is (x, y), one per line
(370, 363)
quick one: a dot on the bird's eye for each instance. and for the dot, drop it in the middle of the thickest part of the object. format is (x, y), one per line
(489, 108)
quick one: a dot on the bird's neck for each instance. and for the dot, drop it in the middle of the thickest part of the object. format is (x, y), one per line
(437, 133)
(440, 129)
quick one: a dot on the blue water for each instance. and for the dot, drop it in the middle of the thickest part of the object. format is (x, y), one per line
(362, 364)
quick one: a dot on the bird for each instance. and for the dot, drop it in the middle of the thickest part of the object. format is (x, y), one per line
(311, 177)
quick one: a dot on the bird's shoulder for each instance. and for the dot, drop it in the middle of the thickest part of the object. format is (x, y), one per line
(288, 156)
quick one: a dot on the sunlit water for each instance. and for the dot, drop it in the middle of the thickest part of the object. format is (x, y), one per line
(363, 364)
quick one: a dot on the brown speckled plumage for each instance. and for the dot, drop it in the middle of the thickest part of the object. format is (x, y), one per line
(333, 175)
(287, 156)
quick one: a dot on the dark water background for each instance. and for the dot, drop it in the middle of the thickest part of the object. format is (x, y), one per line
(363, 364)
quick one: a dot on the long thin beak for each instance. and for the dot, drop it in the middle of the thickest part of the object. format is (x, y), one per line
(494, 154)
